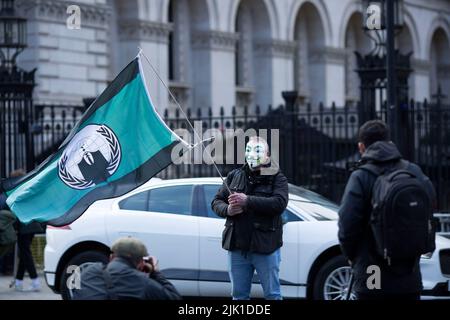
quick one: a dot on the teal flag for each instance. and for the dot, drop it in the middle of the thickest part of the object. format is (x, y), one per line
(119, 144)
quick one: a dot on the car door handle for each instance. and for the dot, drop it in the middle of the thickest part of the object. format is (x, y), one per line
(214, 239)
(128, 234)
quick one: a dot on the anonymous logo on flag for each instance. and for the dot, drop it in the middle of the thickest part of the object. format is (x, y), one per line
(91, 157)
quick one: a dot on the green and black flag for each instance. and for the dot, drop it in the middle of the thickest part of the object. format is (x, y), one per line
(119, 144)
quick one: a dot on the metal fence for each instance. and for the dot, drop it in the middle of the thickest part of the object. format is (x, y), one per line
(51, 124)
(317, 144)
(444, 224)
(28, 134)
(14, 133)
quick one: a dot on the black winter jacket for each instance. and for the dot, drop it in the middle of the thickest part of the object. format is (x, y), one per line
(127, 283)
(355, 235)
(259, 228)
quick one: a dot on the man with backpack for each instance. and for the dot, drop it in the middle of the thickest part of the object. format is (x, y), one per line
(386, 219)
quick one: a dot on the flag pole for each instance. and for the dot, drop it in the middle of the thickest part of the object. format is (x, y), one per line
(201, 143)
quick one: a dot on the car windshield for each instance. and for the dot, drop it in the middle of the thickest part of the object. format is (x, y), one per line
(314, 204)
(317, 211)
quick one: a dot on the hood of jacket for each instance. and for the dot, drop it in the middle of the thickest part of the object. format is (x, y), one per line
(381, 151)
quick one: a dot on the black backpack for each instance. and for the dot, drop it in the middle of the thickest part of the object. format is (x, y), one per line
(402, 212)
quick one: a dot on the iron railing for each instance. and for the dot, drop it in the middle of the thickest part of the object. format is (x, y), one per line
(444, 224)
(317, 144)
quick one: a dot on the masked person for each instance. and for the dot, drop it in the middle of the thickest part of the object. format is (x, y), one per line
(253, 229)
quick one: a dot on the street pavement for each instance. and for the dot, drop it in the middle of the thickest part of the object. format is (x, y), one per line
(7, 293)
(46, 293)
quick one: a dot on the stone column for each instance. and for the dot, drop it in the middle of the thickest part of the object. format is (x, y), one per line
(214, 70)
(274, 71)
(420, 80)
(329, 63)
(152, 37)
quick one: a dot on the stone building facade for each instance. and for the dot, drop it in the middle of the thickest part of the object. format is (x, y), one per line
(214, 53)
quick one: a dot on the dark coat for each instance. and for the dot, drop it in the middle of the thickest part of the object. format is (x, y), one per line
(8, 235)
(32, 227)
(22, 228)
(355, 235)
(3, 205)
(259, 228)
(127, 283)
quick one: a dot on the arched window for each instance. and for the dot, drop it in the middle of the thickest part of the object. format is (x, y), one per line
(355, 40)
(244, 47)
(189, 65)
(171, 51)
(440, 62)
(309, 64)
(405, 46)
(253, 70)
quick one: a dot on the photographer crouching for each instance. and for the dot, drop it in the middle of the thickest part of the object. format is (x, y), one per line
(130, 274)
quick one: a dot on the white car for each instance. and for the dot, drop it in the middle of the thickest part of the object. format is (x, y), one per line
(175, 221)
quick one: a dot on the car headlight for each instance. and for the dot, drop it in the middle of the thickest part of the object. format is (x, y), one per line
(427, 255)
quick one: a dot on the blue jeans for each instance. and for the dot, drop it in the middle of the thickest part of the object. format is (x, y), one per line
(241, 270)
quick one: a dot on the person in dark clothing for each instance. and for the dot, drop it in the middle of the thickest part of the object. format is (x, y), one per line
(25, 235)
(253, 228)
(129, 275)
(401, 279)
(3, 205)
(6, 260)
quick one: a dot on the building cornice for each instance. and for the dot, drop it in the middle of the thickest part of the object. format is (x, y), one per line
(144, 30)
(329, 55)
(276, 48)
(96, 16)
(215, 40)
(420, 65)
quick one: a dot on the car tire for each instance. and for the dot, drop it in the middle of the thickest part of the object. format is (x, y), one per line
(333, 266)
(77, 260)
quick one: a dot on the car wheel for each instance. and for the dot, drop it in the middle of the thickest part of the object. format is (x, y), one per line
(332, 280)
(82, 260)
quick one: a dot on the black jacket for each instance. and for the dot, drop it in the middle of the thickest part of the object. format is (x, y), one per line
(355, 235)
(32, 227)
(22, 228)
(126, 281)
(259, 228)
(3, 205)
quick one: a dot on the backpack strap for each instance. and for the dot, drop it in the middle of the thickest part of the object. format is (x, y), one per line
(111, 295)
(379, 170)
(373, 168)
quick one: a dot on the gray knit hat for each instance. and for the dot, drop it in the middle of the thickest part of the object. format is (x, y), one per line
(130, 248)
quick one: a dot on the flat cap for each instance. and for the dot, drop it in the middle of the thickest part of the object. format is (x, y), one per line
(129, 248)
